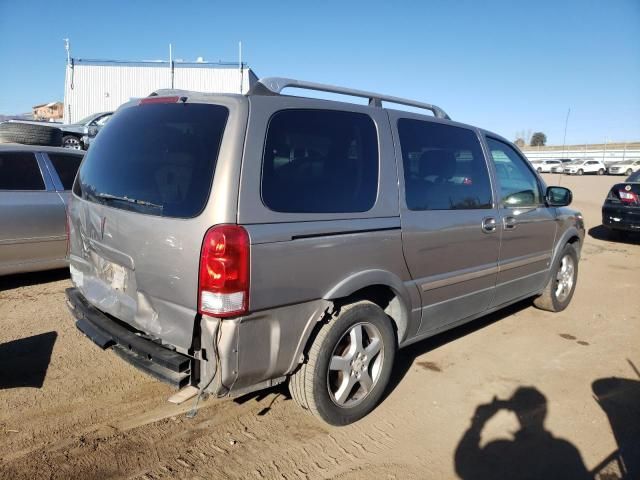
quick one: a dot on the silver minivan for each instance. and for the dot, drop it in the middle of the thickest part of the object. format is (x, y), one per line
(227, 243)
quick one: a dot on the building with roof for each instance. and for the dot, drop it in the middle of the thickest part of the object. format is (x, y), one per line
(51, 111)
(103, 85)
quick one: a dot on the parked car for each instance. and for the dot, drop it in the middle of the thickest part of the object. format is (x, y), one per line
(626, 167)
(73, 134)
(621, 209)
(78, 135)
(580, 167)
(546, 166)
(228, 243)
(34, 189)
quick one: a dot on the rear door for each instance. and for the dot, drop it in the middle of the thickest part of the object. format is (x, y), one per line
(449, 233)
(527, 226)
(32, 216)
(144, 197)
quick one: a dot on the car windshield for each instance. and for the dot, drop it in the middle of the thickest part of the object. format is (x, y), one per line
(87, 119)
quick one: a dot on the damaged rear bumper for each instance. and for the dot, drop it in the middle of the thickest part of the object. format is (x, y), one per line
(154, 359)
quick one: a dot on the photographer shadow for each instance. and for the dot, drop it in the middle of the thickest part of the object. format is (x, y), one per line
(534, 452)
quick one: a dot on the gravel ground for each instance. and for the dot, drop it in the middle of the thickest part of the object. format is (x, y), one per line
(70, 410)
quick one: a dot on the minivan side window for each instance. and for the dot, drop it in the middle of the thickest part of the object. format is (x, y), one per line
(66, 167)
(320, 161)
(20, 171)
(518, 184)
(444, 168)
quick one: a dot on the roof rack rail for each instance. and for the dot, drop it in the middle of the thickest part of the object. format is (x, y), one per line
(275, 85)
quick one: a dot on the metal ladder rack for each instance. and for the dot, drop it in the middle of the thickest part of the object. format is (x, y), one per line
(275, 85)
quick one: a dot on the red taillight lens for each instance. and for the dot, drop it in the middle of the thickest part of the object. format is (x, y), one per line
(628, 197)
(224, 272)
(148, 100)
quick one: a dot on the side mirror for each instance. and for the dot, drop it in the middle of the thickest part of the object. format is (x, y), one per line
(558, 196)
(93, 131)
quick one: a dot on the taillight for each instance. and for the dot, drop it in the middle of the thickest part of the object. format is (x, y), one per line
(628, 197)
(223, 289)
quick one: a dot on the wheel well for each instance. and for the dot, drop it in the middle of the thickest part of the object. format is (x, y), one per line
(573, 240)
(575, 243)
(387, 299)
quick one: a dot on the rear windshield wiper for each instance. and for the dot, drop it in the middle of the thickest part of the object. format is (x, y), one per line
(107, 198)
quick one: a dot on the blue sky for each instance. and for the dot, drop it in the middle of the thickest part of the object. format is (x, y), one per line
(506, 66)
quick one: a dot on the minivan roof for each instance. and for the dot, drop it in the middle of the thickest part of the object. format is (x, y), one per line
(273, 86)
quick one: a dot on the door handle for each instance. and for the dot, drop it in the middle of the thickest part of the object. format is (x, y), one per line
(489, 225)
(509, 223)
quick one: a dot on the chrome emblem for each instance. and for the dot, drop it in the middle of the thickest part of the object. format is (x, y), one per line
(627, 188)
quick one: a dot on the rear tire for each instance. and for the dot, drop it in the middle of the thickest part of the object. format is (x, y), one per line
(628, 172)
(349, 365)
(558, 293)
(601, 171)
(539, 170)
(30, 134)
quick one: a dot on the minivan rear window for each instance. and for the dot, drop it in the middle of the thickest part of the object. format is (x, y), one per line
(156, 159)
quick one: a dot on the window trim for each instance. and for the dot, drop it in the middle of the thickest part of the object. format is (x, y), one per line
(527, 165)
(333, 110)
(400, 159)
(55, 177)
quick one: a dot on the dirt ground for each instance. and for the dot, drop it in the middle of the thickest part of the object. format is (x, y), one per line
(70, 410)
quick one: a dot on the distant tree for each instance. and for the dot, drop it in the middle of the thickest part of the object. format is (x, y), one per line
(520, 142)
(538, 139)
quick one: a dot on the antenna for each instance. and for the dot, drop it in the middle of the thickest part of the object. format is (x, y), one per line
(240, 63)
(67, 47)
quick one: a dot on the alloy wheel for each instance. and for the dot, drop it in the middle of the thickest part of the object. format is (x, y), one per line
(565, 278)
(72, 143)
(355, 365)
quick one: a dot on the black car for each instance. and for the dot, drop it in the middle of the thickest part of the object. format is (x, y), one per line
(621, 209)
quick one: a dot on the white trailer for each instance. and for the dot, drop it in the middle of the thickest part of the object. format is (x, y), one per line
(93, 86)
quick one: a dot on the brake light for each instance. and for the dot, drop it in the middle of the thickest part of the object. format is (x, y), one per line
(628, 197)
(147, 100)
(223, 289)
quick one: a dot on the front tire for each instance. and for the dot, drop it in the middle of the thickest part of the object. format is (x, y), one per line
(72, 142)
(580, 172)
(349, 365)
(559, 291)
